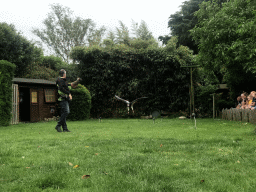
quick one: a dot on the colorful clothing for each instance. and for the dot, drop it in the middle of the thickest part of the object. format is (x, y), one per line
(63, 98)
(63, 88)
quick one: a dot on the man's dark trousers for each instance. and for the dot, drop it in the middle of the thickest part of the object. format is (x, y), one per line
(64, 113)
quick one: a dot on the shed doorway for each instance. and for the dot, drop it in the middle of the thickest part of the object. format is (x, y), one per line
(24, 107)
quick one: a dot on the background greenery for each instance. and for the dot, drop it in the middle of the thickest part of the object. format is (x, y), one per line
(131, 73)
(80, 105)
(216, 35)
(6, 75)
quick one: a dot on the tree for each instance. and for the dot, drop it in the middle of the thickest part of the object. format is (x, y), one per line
(141, 32)
(227, 42)
(184, 20)
(63, 32)
(95, 36)
(111, 36)
(53, 62)
(16, 49)
(164, 39)
(122, 34)
(142, 36)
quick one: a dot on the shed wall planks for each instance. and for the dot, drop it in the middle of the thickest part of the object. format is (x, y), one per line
(15, 104)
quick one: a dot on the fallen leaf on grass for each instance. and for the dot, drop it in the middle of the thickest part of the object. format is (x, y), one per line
(176, 164)
(161, 145)
(85, 176)
(86, 146)
(27, 167)
(75, 166)
(202, 181)
(96, 153)
(70, 164)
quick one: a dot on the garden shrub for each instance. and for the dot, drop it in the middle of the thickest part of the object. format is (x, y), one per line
(6, 76)
(80, 105)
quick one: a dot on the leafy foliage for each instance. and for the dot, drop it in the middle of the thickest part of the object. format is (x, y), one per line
(16, 49)
(143, 44)
(141, 31)
(184, 20)
(122, 34)
(63, 32)
(131, 73)
(53, 62)
(81, 98)
(140, 37)
(226, 42)
(6, 75)
(35, 71)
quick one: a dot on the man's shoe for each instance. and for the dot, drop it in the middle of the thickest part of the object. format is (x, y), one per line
(66, 130)
(58, 129)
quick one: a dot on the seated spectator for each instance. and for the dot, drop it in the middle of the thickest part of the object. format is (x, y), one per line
(239, 100)
(244, 96)
(253, 103)
(249, 101)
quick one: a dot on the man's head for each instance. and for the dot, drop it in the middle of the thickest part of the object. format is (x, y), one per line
(62, 73)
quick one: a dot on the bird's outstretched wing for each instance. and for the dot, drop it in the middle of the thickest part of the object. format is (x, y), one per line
(122, 99)
(137, 100)
(133, 102)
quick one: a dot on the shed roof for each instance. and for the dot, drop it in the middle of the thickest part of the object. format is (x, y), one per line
(33, 81)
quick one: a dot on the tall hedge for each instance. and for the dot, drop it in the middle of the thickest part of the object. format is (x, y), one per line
(6, 76)
(80, 105)
(131, 73)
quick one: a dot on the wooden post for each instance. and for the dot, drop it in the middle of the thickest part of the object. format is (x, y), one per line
(191, 88)
(193, 93)
(192, 101)
(213, 106)
(15, 104)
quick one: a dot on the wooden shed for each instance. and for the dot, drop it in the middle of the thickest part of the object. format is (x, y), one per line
(33, 100)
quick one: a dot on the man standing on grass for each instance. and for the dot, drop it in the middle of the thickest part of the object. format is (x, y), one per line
(64, 98)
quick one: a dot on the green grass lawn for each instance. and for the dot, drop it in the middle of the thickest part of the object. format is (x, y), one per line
(129, 155)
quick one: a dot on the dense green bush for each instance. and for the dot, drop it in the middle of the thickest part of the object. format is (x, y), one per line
(6, 75)
(154, 72)
(35, 71)
(17, 49)
(81, 103)
(53, 62)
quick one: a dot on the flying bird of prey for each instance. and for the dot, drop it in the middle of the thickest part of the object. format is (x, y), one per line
(128, 102)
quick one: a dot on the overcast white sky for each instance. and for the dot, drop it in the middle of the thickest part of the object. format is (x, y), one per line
(27, 14)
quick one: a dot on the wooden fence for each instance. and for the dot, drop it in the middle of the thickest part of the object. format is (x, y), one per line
(245, 115)
(15, 104)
